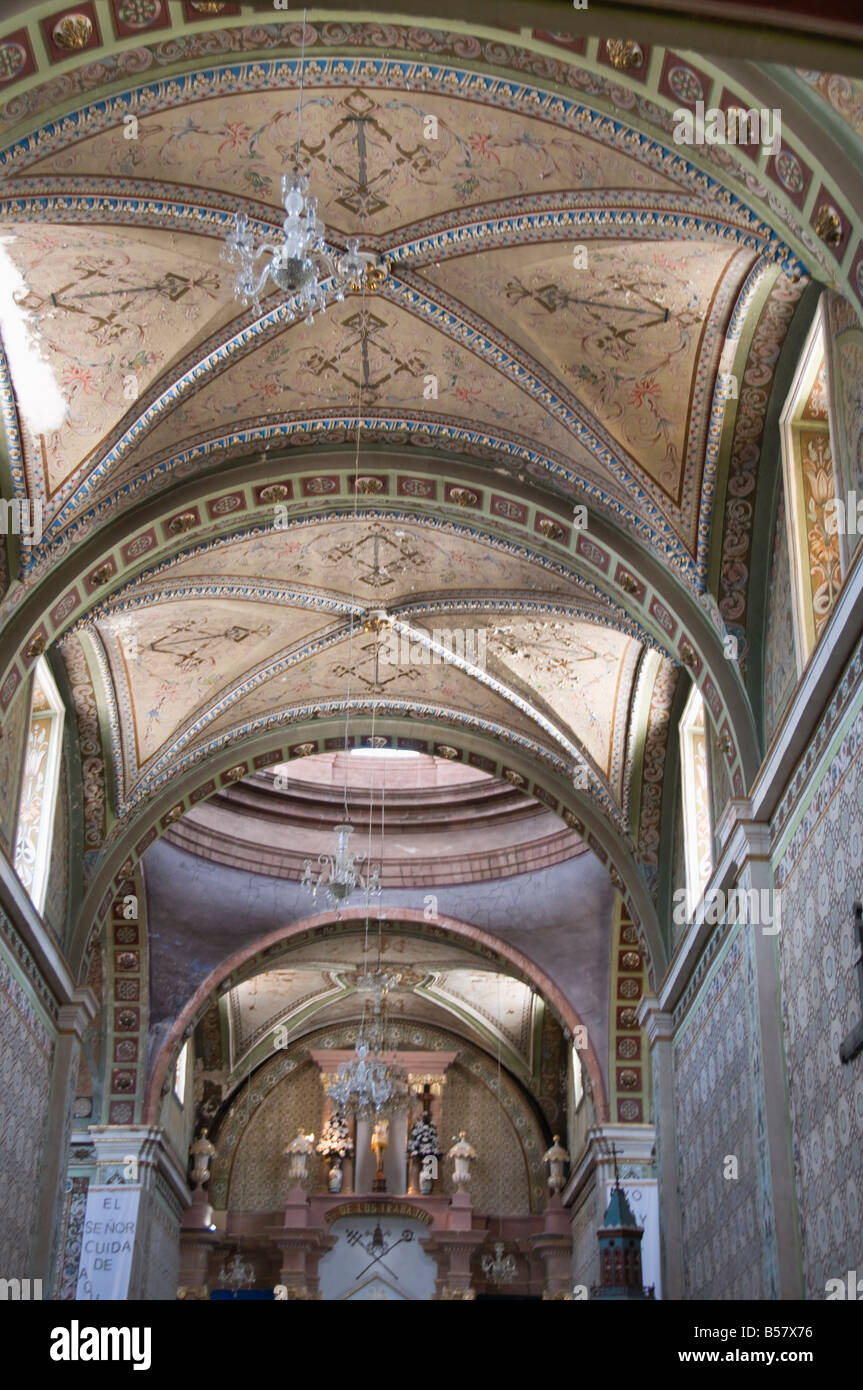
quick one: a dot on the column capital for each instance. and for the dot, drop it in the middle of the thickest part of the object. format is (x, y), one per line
(74, 1016)
(741, 834)
(657, 1023)
(116, 1145)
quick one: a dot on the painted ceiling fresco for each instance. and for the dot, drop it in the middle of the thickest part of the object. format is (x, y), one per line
(374, 167)
(623, 332)
(383, 562)
(582, 672)
(110, 313)
(360, 670)
(562, 281)
(424, 978)
(367, 351)
(175, 658)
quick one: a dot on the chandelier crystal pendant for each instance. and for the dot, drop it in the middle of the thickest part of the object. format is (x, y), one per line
(499, 1268)
(369, 1084)
(301, 265)
(340, 874)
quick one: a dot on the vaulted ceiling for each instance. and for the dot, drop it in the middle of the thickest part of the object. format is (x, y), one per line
(518, 433)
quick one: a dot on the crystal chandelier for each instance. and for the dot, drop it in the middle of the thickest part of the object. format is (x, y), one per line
(500, 1268)
(300, 259)
(340, 873)
(237, 1272)
(301, 265)
(369, 1084)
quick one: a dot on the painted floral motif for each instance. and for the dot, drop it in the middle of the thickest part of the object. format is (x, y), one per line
(32, 798)
(825, 575)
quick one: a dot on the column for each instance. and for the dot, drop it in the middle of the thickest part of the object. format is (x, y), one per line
(131, 1243)
(72, 1020)
(751, 842)
(659, 1029)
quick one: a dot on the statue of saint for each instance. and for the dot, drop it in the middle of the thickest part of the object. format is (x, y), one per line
(380, 1143)
(462, 1153)
(555, 1157)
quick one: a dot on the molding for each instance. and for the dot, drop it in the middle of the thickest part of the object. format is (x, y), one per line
(35, 938)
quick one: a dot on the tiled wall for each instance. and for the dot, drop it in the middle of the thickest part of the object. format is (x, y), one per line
(819, 868)
(26, 1057)
(719, 1114)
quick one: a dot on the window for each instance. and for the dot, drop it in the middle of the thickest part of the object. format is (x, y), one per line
(180, 1074)
(697, 842)
(811, 485)
(39, 785)
(577, 1080)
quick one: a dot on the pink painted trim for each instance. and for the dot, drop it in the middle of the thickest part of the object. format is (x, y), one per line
(544, 986)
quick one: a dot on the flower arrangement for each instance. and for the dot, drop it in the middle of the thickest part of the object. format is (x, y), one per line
(335, 1141)
(423, 1141)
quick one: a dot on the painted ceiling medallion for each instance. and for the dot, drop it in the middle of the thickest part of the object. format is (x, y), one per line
(236, 774)
(303, 750)
(624, 54)
(73, 32)
(573, 822)
(36, 647)
(443, 750)
(275, 492)
(175, 814)
(186, 521)
(377, 742)
(369, 485)
(102, 574)
(463, 497)
(515, 779)
(628, 584)
(209, 6)
(551, 530)
(828, 224)
(375, 276)
(687, 655)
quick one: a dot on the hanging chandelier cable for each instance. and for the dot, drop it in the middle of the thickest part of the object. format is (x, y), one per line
(301, 264)
(302, 76)
(354, 563)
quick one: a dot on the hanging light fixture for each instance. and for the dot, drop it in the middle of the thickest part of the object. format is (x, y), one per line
(370, 1085)
(340, 874)
(500, 1268)
(301, 264)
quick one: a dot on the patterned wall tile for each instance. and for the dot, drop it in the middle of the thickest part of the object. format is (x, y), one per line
(822, 875)
(717, 1103)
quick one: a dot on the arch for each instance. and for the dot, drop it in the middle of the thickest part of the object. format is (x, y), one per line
(465, 931)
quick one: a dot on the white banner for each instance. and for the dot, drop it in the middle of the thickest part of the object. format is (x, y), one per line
(108, 1243)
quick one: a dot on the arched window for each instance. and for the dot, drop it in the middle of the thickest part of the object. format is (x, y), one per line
(39, 785)
(697, 837)
(811, 482)
(180, 1074)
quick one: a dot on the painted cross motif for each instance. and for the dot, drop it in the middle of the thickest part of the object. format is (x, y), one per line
(185, 641)
(853, 1043)
(377, 1246)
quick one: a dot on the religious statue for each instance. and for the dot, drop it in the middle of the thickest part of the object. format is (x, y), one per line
(555, 1157)
(298, 1151)
(201, 1152)
(380, 1143)
(462, 1153)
